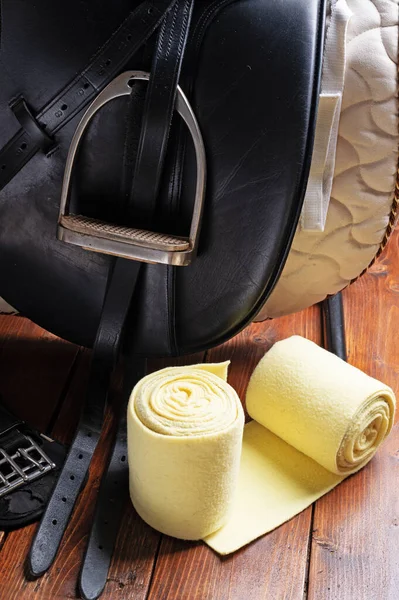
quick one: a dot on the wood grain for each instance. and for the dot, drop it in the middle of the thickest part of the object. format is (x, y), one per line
(34, 369)
(273, 567)
(354, 552)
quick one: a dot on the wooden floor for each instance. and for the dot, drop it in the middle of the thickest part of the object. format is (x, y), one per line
(345, 547)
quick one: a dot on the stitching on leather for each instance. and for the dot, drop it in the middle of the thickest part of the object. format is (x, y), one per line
(206, 18)
(170, 271)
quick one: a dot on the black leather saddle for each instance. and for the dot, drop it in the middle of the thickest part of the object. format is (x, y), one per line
(159, 220)
(250, 72)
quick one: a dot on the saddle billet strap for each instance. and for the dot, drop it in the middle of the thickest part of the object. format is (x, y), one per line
(157, 116)
(106, 63)
(44, 548)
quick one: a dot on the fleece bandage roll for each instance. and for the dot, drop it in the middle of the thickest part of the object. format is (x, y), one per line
(185, 427)
(316, 420)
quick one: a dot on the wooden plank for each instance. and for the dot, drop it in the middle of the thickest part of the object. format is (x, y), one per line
(13, 578)
(354, 553)
(273, 567)
(34, 369)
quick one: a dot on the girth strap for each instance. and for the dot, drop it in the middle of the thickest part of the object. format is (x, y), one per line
(106, 63)
(120, 291)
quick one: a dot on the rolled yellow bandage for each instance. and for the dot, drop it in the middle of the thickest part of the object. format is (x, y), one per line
(185, 427)
(317, 420)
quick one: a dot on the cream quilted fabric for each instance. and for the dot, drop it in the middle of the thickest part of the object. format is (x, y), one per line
(322, 263)
(5, 308)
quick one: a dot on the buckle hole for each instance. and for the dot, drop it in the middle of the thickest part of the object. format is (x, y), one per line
(63, 499)
(100, 547)
(123, 458)
(80, 456)
(54, 521)
(86, 86)
(72, 477)
(3, 167)
(23, 146)
(64, 106)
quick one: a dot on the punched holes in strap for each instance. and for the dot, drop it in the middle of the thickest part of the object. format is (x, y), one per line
(106, 63)
(37, 134)
(24, 144)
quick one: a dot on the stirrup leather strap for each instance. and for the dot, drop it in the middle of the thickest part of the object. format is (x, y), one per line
(121, 287)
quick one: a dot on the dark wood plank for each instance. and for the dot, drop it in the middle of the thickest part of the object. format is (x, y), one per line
(13, 580)
(354, 553)
(272, 567)
(34, 369)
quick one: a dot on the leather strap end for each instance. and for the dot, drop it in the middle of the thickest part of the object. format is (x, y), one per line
(333, 311)
(59, 509)
(110, 503)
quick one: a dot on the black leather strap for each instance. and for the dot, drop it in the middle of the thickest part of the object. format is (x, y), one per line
(158, 111)
(334, 325)
(159, 105)
(107, 62)
(29, 124)
(111, 500)
(55, 519)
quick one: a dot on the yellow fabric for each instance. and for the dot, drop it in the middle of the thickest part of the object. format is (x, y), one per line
(317, 420)
(185, 427)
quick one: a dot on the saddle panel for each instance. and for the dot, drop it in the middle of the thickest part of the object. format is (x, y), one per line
(253, 86)
(365, 177)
